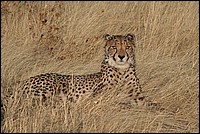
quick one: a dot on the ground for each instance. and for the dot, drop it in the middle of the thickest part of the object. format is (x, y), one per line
(66, 38)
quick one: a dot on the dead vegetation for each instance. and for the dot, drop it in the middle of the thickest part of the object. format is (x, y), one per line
(66, 37)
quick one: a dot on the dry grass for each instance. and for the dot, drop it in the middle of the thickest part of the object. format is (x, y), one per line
(66, 37)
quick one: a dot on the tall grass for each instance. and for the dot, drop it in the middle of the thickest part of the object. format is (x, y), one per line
(66, 37)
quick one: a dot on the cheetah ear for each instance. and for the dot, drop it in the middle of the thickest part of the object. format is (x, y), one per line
(108, 37)
(130, 37)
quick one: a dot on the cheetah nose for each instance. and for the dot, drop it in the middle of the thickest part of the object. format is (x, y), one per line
(121, 57)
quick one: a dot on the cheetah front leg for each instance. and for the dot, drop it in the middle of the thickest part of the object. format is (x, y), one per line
(138, 98)
(135, 93)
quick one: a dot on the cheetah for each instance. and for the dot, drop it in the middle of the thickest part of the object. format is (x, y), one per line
(117, 67)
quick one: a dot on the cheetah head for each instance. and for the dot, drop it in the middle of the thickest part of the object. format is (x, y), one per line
(119, 50)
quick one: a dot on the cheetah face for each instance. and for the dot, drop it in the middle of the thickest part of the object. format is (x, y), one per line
(119, 50)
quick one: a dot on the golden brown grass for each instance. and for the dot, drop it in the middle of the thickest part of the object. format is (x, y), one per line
(66, 37)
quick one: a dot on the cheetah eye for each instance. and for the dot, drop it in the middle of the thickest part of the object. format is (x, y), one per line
(113, 47)
(128, 47)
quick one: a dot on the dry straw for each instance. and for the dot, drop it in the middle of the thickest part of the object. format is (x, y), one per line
(66, 37)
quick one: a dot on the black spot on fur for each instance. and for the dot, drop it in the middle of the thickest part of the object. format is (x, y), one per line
(131, 91)
(129, 83)
(126, 76)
